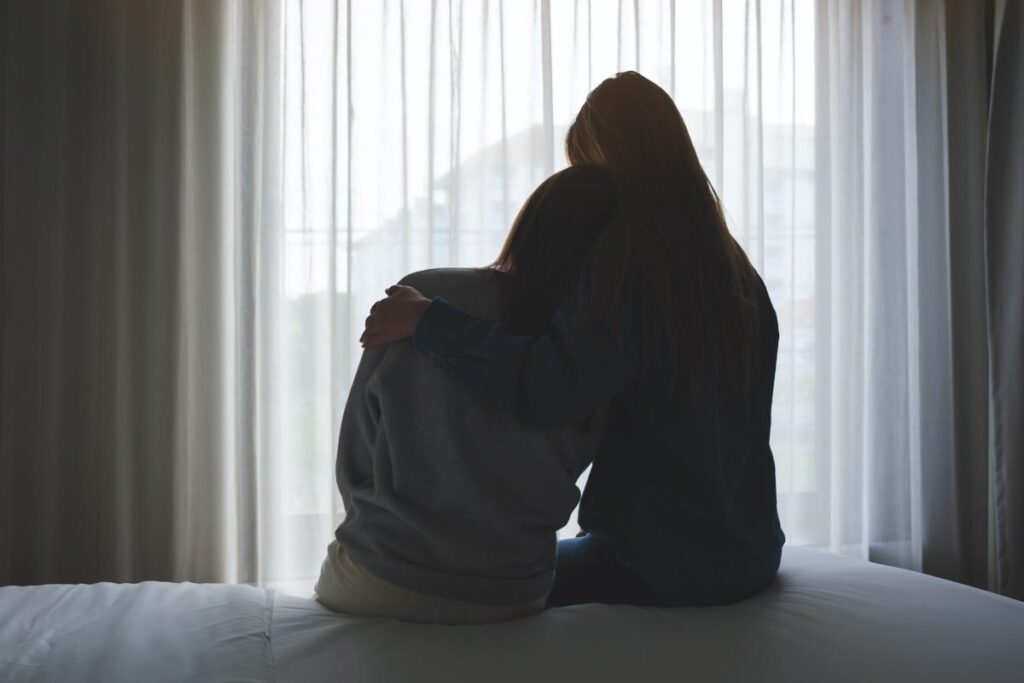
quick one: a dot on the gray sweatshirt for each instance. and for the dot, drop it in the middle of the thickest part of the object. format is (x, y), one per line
(444, 494)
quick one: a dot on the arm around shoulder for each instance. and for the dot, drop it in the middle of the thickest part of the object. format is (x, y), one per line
(546, 380)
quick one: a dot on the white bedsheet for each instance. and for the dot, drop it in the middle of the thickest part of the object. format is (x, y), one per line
(827, 618)
(135, 632)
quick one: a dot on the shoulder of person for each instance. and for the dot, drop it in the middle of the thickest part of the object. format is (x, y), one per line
(473, 289)
(441, 281)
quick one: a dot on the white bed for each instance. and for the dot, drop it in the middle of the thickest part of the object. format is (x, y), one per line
(827, 618)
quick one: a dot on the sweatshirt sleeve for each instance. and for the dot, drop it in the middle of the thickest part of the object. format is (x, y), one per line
(546, 380)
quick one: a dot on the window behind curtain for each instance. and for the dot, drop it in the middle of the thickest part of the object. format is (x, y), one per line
(415, 130)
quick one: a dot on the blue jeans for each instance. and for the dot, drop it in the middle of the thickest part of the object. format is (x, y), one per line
(588, 571)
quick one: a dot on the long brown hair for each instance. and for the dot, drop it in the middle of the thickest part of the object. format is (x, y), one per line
(667, 256)
(549, 240)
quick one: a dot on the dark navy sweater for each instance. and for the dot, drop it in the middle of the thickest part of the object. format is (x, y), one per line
(682, 489)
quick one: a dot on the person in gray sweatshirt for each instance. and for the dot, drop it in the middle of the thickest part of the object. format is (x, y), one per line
(452, 506)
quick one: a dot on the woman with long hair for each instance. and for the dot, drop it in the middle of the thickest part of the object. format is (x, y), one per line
(671, 329)
(452, 506)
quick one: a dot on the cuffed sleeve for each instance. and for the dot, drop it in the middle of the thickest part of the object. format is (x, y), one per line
(443, 329)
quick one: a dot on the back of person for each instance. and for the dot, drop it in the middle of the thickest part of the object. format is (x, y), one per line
(673, 332)
(446, 495)
(701, 527)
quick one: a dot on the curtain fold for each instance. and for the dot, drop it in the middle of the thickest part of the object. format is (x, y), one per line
(963, 494)
(1004, 233)
(201, 199)
(230, 177)
(90, 233)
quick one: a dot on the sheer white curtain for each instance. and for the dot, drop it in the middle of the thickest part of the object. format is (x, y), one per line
(189, 259)
(413, 131)
(902, 401)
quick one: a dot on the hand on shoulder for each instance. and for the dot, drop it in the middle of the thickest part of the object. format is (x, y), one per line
(394, 318)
